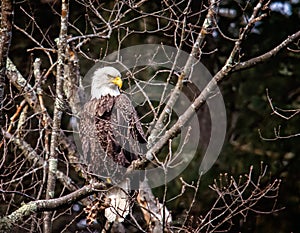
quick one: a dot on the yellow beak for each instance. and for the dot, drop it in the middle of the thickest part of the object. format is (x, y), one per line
(117, 81)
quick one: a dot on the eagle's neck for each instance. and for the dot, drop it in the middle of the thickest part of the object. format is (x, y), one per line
(98, 92)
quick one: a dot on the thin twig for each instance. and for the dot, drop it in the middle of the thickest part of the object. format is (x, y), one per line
(182, 77)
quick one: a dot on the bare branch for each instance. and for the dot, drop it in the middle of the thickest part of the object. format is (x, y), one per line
(35, 101)
(21, 84)
(210, 87)
(58, 110)
(184, 75)
(238, 198)
(39, 143)
(5, 39)
(32, 156)
(7, 222)
(277, 111)
(262, 58)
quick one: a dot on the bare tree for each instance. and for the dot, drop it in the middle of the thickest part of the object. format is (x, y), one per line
(43, 184)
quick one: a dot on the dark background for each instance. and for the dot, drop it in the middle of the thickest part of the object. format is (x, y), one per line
(244, 94)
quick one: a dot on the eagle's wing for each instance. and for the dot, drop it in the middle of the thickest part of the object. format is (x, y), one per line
(111, 134)
(87, 128)
(128, 131)
(91, 148)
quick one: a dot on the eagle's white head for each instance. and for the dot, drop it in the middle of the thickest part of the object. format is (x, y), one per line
(106, 80)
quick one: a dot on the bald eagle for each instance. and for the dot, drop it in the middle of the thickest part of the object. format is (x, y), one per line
(110, 129)
(111, 134)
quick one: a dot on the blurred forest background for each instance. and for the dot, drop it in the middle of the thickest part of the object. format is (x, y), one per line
(255, 135)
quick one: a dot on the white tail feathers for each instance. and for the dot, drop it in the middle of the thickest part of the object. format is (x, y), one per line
(119, 202)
